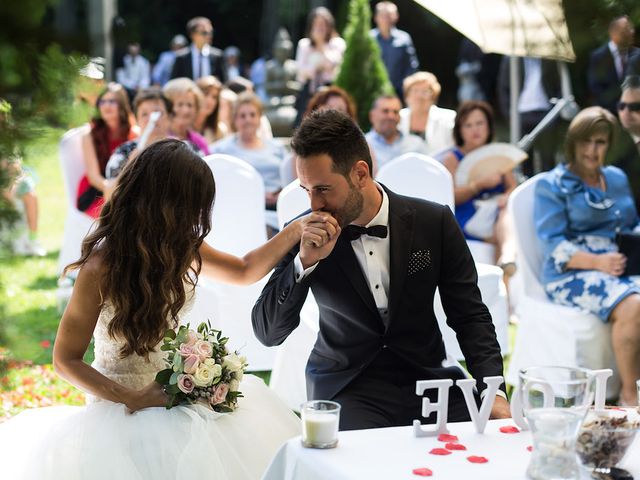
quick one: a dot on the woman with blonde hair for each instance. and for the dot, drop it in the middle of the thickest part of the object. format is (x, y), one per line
(422, 116)
(187, 99)
(265, 155)
(579, 207)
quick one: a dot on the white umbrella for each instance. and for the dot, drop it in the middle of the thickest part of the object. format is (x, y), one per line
(521, 28)
(518, 28)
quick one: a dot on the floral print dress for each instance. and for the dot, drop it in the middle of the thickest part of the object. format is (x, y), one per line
(572, 216)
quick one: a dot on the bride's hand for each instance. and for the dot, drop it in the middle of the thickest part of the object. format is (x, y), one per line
(323, 224)
(152, 395)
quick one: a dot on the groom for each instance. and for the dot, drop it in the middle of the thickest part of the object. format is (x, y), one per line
(374, 285)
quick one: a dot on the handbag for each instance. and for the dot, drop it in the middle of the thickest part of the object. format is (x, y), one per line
(481, 224)
(629, 245)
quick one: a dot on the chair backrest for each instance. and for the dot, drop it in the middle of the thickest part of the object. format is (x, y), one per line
(238, 219)
(72, 161)
(420, 176)
(528, 245)
(292, 201)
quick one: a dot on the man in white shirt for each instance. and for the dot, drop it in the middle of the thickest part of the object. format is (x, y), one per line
(135, 72)
(374, 284)
(385, 138)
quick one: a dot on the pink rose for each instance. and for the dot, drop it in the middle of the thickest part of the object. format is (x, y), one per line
(203, 349)
(191, 364)
(192, 338)
(186, 349)
(220, 394)
(186, 383)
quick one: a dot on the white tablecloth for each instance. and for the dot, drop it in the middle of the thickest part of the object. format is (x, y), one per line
(393, 453)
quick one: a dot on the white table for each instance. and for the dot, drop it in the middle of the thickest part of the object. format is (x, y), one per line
(392, 453)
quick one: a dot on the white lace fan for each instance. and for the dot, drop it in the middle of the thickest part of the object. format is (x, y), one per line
(492, 158)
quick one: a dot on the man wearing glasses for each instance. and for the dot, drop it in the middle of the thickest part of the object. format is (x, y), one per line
(627, 153)
(200, 59)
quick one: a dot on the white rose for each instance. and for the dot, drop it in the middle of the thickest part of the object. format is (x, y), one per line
(216, 369)
(204, 376)
(232, 362)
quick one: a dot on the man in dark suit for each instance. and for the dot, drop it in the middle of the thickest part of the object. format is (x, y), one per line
(609, 64)
(375, 287)
(199, 59)
(626, 149)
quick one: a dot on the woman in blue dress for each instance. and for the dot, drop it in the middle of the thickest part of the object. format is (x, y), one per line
(473, 128)
(579, 208)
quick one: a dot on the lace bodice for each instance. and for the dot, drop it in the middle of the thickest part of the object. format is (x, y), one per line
(132, 371)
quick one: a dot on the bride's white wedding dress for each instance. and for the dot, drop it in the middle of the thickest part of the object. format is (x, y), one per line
(104, 441)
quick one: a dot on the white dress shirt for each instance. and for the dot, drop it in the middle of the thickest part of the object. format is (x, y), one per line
(617, 59)
(196, 63)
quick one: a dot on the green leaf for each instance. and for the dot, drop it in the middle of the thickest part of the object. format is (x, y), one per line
(166, 347)
(173, 380)
(170, 334)
(162, 377)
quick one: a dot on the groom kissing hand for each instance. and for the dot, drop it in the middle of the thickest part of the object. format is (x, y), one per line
(375, 284)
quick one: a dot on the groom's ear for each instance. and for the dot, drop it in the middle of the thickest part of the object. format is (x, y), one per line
(360, 173)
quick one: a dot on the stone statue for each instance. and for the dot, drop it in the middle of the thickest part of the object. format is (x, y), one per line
(281, 85)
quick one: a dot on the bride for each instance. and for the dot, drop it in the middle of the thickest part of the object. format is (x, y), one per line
(137, 275)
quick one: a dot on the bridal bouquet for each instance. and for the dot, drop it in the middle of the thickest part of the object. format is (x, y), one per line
(201, 369)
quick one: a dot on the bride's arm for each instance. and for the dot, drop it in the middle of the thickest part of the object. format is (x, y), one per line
(259, 262)
(72, 340)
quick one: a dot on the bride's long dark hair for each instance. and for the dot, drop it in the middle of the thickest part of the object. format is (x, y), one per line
(148, 237)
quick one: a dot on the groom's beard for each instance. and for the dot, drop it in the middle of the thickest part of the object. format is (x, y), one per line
(351, 209)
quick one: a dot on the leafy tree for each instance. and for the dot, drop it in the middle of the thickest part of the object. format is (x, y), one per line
(362, 74)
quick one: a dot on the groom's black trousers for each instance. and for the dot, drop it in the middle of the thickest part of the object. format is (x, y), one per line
(384, 395)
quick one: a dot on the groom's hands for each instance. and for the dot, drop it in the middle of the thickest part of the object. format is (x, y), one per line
(152, 395)
(320, 230)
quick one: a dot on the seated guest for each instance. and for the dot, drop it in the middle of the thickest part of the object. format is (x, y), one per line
(207, 123)
(334, 98)
(186, 99)
(422, 116)
(473, 128)
(579, 206)
(110, 128)
(386, 141)
(240, 85)
(146, 102)
(263, 154)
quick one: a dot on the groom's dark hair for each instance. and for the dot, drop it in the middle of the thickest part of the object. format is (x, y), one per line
(332, 133)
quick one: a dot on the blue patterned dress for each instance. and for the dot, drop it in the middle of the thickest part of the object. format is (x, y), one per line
(572, 216)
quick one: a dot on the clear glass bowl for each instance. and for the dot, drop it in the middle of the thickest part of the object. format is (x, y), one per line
(606, 435)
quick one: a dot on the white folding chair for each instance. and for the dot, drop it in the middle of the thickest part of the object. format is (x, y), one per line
(238, 226)
(548, 333)
(292, 201)
(420, 176)
(77, 224)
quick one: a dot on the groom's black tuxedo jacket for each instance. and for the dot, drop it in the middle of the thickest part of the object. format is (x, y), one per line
(427, 250)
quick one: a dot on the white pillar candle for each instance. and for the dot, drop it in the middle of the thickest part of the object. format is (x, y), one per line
(320, 429)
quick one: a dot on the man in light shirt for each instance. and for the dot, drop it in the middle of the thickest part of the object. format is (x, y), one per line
(384, 138)
(374, 284)
(609, 63)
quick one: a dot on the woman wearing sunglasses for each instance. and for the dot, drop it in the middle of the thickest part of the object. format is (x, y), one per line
(110, 128)
(579, 207)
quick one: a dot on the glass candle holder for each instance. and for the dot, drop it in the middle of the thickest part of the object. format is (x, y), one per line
(320, 421)
(555, 401)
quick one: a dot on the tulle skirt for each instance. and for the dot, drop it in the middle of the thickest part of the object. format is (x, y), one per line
(104, 441)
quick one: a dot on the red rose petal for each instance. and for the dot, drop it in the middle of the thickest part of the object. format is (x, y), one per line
(510, 429)
(455, 446)
(530, 448)
(440, 451)
(445, 437)
(422, 472)
(474, 459)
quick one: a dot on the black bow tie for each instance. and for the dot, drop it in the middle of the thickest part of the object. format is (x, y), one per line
(353, 232)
